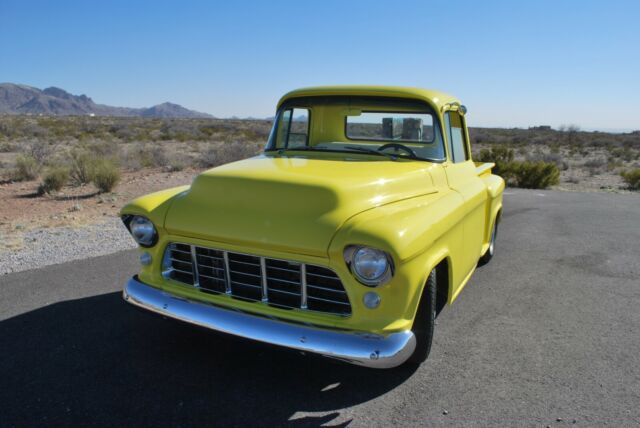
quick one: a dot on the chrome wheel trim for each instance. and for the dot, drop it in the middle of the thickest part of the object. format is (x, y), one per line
(493, 240)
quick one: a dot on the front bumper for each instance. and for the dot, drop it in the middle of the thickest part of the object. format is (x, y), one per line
(361, 348)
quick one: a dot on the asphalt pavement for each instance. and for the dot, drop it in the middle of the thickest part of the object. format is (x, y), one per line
(547, 334)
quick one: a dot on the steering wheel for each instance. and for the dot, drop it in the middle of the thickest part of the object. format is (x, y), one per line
(398, 146)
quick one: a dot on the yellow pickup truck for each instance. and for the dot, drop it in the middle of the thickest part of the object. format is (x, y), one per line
(364, 216)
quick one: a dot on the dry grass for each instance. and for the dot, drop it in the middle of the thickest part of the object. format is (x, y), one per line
(30, 144)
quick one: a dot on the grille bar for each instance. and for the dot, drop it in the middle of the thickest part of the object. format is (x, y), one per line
(194, 264)
(263, 279)
(283, 269)
(328, 300)
(280, 283)
(303, 275)
(326, 289)
(227, 277)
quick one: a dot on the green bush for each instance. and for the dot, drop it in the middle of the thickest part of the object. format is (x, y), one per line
(106, 175)
(7, 147)
(534, 175)
(82, 166)
(54, 179)
(528, 174)
(152, 156)
(632, 178)
(501, 156)
(27, 168)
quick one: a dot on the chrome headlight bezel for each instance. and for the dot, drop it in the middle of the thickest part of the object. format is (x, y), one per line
(142, 230)
(352, 253)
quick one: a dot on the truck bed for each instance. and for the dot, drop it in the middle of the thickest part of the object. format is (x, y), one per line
(484, 168)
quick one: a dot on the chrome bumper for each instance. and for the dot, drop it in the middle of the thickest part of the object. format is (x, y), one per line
(364, 349)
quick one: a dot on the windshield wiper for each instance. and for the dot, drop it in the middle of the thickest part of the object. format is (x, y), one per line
(300, 149)
(371, 151)
(352, 149)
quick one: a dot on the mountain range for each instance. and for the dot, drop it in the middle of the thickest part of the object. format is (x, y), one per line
(23, 99)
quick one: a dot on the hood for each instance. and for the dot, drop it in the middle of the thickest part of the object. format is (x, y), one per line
(290, 204)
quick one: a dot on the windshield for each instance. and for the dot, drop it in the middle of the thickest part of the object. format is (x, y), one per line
(390, 128)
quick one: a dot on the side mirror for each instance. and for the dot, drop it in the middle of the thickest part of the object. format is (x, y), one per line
(462, 110)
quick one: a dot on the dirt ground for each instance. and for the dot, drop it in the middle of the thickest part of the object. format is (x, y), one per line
(22, 209)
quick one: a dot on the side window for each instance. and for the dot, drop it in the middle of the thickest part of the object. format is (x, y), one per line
(293, 128)
(457, 139)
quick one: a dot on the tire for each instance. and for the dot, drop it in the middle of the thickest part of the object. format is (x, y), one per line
(424, 322)
(488, 255)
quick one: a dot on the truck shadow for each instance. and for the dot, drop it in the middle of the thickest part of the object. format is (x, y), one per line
(98, 361)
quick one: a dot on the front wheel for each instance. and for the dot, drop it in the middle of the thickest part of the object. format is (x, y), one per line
(488, 255)
(424, 321)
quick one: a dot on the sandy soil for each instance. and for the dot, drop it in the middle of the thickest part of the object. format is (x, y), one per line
(22, 210)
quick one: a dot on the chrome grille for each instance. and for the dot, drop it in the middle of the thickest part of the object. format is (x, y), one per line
(280, 283)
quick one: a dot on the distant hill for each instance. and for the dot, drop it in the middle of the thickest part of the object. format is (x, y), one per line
(23, 99)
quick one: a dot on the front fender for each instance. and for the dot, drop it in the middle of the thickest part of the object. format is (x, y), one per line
(154, 206)
(418, 233)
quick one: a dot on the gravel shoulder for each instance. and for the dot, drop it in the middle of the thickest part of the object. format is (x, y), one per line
(50, 246)
(37, 231)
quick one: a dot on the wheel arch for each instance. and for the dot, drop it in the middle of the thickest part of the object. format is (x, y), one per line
(443, 283)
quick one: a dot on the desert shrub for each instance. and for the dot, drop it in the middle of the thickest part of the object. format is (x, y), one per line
(534, 175)
(158, 156)
(501, 156)
(632, 178)
(595, 166)
(54, 179)
(549, 158)
(177, 162)
(234, 151)
(613, 164)
(150, 156)
(628, 154)
(145, 155)
(104, 149)
(209, 157)
(82, 165)
(222, 153)
(130, 159)
(7, 147)
(496, 154)
(123, 132)
(106, 175)
(27, 168)
(39, 150)
(176, 165)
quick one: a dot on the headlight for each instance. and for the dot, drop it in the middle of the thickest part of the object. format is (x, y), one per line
(142, 230)
(370, 266)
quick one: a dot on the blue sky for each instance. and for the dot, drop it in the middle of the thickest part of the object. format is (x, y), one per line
(512, 63)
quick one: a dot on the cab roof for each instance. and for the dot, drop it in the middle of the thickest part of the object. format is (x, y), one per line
(436, 98)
